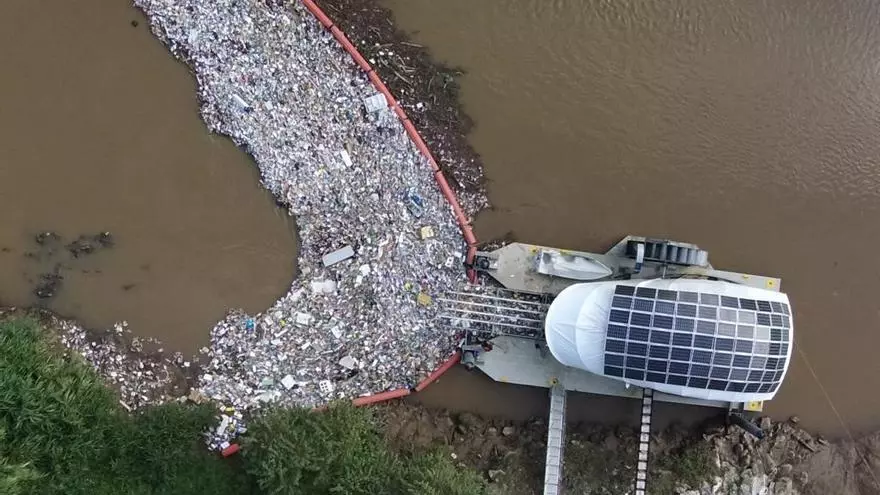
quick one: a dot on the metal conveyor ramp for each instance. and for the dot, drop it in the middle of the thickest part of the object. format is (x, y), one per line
(494, 311)
(555, 442)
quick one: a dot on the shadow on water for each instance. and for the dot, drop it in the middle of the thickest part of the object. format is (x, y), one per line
(472, 391)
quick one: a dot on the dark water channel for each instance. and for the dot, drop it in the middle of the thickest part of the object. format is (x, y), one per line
(749, 128)
(99, 131)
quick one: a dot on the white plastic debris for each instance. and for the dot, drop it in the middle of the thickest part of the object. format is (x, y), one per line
(326, 386)
(334, 257)
(240, 101)
(303, 318)
(375, 103)
(323, 286)
(348, 362)
(346, 158)
(288, 382)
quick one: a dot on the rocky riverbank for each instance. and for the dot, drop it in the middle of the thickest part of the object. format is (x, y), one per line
(713, 459)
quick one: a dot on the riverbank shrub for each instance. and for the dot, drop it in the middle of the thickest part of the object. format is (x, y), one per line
(341, 450)
(62, 431)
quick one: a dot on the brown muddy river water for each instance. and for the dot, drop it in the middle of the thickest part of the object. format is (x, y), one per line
(99, 131)
(749, 128)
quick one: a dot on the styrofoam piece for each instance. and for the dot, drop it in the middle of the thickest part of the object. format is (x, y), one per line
(375, 103)
(340, 254)
(288, 382)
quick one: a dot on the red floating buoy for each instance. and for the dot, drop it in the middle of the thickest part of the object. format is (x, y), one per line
(232, 449)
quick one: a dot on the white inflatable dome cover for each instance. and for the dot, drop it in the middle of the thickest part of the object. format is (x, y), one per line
(705, 339)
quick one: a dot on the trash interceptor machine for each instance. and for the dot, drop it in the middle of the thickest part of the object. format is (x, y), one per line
(649, 319)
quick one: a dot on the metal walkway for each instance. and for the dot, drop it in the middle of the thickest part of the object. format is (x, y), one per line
(555, 442)
(644, 441)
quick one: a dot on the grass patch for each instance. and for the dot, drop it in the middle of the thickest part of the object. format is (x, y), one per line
(689, 465)
(62, 431)
(591, 468)
(341, 450)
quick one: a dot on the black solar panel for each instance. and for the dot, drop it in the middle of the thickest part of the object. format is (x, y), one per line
(697, 382)
(709, 299)
(623, 302)
(617, 331)
(667, 295)
(626, 290)
(691, 297)
(676, 380)
(646, 292)
(697, 340)
(655, 377)
(659, 351)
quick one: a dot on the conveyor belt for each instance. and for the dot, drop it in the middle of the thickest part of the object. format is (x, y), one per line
(493, 311)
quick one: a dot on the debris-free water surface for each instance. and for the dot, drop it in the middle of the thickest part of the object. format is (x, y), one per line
(99, 131)
(749, 128)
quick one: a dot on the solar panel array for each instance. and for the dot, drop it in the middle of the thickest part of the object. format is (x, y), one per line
(698, 340)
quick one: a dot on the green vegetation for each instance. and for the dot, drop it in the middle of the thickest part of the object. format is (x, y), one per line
(342, 451)
(63, 432)
(592, 468)
(688, 465)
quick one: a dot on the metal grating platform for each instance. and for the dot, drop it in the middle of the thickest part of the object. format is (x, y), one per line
(494, 311)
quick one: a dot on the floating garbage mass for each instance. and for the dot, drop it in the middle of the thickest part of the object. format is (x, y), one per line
(378, 237)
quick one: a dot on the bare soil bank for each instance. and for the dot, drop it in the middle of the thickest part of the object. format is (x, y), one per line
(600, 459)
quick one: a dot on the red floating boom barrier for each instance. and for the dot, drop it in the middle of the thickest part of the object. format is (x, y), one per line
(448, 193)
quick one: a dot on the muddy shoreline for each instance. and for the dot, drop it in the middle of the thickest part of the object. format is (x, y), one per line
(712, 458)
(139, 369)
